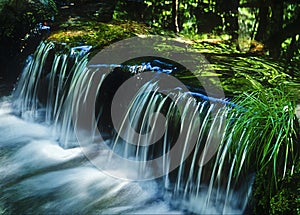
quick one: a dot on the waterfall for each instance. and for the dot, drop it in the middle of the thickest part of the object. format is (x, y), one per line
(53, 85)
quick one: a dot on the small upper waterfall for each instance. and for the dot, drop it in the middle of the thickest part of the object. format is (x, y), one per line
(170, 136)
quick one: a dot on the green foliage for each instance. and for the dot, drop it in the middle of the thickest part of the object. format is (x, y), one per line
(161, 13)
(284, 200)
(290, 13)
(19, 18)
(219, 16)
(261, 194)
(240, 73)
(264, 135)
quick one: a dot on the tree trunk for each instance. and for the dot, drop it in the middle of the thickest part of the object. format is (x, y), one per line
(263, 16)
(292, 48)
(281, 35)
(290, 54)
(233, 19)
(175, 8)
(106, 10)
(230, 11)
(276, 27)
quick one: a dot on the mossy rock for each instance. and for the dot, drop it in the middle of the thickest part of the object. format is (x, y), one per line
(283, 200)
(76, 32)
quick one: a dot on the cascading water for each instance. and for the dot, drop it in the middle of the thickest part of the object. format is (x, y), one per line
(45, 168)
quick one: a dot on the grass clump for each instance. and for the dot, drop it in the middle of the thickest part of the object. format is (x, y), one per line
(265, 131)
(263, 134)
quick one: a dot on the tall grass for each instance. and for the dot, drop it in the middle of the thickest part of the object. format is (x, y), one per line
(264, 134)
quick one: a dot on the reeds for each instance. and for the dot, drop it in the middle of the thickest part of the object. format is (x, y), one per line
(264, 135)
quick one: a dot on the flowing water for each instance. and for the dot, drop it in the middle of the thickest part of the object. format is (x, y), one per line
(45, 168)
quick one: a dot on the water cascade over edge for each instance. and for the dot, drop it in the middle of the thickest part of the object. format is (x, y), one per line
(53, 85)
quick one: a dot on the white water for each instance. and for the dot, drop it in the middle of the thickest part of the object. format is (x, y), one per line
(43, 169)
(38, 176)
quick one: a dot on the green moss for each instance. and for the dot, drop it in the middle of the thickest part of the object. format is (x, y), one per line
(261, 194)
(78, 32)
(238, 72)
(287, 199)
(284, 200)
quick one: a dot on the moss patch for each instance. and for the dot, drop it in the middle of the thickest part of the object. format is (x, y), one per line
(76, 32)
(238, 72)
(284, 200)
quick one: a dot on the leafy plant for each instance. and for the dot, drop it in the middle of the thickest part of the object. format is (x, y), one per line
(263, 136)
